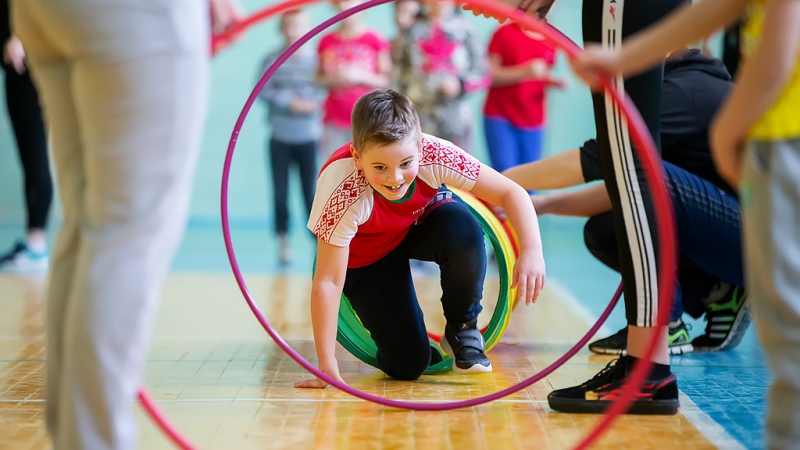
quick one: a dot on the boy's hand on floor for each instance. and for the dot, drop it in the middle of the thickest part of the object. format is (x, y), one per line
(316, 383)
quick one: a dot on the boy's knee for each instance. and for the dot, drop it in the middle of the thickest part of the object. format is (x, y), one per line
(408, 373)
(408, 367)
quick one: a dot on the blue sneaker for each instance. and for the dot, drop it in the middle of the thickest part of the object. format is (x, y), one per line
(23, 259)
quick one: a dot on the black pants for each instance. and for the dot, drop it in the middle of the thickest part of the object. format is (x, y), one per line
(26, 119)
(383, 296)
(281, 156)
(709, 238)
(610, 22)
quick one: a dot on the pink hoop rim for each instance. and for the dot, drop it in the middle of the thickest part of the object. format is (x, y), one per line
(653, 172)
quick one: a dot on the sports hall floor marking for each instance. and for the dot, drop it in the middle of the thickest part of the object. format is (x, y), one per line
(707, 426)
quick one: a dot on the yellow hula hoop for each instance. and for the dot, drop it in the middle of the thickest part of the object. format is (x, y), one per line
(507, 254)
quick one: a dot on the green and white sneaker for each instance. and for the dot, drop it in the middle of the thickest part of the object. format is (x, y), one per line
(679, 341)
(727, 319)
(616, 344)
(23, 259)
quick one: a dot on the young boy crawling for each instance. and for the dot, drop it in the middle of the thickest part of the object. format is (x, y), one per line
(381, 201)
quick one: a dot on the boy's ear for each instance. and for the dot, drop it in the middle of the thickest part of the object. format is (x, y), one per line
(356, 159)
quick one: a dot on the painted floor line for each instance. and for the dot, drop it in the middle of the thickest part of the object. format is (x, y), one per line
(709, 428)
(576, 306)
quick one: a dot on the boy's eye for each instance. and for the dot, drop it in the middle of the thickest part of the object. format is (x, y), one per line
(379, 167)
(405, 164)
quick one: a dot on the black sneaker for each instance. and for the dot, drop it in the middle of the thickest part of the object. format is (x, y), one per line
(464, 343)
(726, 320)
(617, 344)
(596, 395)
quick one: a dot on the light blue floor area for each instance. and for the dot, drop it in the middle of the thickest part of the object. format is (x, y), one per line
(729, 387)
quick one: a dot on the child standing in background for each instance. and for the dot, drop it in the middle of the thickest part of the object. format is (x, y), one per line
(25, 116)
(405, 15)
(515, 108)
(353, 60)
(294, 120)
(442, 61)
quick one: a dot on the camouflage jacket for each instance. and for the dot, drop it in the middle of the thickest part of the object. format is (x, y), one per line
(430, 51)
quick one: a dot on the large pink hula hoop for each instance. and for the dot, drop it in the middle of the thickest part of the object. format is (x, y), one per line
(653, 171)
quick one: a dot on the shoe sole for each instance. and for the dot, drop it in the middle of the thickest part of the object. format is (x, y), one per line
(681, 349)
(673, 350)
(475, 369)
(736, 335)
(577, 406)
(607, 351)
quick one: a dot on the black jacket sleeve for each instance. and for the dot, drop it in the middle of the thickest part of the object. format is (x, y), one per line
(589, 163)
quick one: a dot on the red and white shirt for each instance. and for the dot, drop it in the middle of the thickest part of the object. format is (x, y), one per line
(347, 211)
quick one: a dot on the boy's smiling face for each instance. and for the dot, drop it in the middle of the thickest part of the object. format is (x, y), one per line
(391, 168)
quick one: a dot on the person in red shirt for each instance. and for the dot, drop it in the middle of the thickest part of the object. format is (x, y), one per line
(514, 112)
(381, 201)
(353, 60)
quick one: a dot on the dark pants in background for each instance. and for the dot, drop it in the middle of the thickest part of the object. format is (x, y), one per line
(282, 155)
(709, 236)
(26, 119)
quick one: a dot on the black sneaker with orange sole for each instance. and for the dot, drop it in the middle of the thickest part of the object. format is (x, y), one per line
(657, 397)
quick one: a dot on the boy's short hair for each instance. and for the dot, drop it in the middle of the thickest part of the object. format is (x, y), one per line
(382, 117)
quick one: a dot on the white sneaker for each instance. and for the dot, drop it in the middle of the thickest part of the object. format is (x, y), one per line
(284, 252)
(23, 259)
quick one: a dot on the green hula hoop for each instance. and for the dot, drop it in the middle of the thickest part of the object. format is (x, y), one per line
(352, 335)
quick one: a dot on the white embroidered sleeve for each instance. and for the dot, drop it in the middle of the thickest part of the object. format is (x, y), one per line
(444, 162)
(340, 203)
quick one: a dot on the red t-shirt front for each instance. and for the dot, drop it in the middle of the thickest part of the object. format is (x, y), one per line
(522, 104)
(348, 212)
(336, 55)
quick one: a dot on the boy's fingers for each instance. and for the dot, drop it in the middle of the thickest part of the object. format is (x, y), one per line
(538, 289)
(522, 289)
(313, 384)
